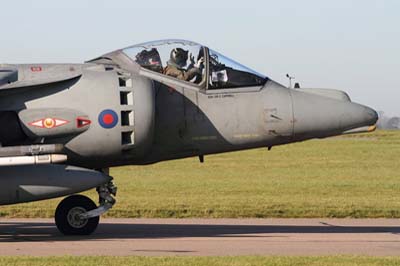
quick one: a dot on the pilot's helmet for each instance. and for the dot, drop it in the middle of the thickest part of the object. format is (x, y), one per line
(179, 57)
(150, 59)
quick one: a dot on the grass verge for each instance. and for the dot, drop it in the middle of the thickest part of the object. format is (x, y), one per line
(198, 261)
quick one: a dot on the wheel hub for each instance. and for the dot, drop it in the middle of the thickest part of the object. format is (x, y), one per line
(74, 217)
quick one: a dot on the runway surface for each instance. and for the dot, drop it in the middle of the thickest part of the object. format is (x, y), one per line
(206, 237)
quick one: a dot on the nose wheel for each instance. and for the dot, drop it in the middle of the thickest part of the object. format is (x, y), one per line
(79, 215)
(68, 216)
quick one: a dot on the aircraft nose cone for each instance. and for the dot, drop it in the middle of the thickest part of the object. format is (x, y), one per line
(356, 115)
(370, 116)
(318, 116)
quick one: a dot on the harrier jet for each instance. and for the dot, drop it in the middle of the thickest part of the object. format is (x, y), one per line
(64, 125)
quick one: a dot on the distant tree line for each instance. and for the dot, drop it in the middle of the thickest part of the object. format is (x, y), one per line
(386, 122)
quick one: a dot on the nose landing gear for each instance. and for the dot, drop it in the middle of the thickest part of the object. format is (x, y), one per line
(68, 213)
(79, 215)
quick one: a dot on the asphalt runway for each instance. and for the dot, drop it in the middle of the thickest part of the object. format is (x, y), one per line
(206, 237)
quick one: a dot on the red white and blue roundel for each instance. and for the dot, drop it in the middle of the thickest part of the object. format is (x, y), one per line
(108, 119)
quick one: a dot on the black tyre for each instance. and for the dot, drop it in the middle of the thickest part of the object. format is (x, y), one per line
(67, 216)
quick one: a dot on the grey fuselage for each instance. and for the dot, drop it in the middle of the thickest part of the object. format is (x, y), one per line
(63, 125)
(161, 119)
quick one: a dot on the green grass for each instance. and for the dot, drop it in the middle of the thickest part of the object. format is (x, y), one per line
(198, 261)
(353, 176)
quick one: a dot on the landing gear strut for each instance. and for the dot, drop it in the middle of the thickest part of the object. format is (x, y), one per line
(79, 215)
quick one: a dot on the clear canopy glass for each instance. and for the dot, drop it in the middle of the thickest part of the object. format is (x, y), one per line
(226, 73)
(190, 62)
(179, 59)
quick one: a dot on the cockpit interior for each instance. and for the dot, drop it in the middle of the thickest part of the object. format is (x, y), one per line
(193, 63)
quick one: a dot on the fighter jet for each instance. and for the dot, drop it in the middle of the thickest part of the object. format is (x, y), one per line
(64, 125)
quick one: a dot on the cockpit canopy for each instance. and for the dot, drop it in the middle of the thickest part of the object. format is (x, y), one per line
(194, 63)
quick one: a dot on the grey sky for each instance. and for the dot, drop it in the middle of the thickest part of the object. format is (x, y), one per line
(346, 44)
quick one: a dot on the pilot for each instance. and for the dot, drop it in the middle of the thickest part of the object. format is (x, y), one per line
(150, 59)
(177, 62)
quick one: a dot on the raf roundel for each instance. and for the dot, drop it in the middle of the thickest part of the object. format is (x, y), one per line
(108, 119)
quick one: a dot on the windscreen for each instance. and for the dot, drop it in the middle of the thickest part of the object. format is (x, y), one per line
(226, 73)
